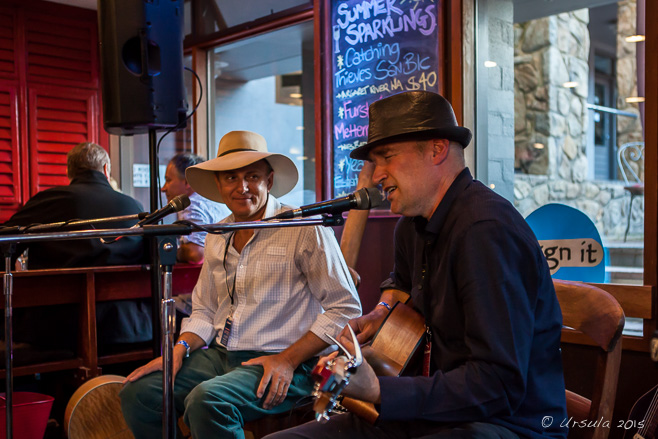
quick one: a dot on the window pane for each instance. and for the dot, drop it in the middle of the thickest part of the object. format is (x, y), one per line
(218, 15)
(265, 84)
(578, 93)
(567, 86)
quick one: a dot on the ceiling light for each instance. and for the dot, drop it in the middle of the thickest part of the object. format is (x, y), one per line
(295, 95)
(490, 64)
(492, 186)
(635, 38)
(634, 99)
(570, 84)
(538, 146)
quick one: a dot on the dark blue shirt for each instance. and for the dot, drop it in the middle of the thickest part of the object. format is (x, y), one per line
(476, 272)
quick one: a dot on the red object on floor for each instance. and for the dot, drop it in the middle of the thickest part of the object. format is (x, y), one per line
(30, 415)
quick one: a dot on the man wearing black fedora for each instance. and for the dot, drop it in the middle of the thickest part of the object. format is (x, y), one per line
(263, 305)
(468, 262)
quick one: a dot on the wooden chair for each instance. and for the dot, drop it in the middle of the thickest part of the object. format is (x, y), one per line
(599, 316)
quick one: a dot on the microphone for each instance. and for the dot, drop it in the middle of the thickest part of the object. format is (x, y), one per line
(175, 205)
(363, 199)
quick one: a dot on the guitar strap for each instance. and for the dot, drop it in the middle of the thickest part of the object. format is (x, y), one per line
(427, 303)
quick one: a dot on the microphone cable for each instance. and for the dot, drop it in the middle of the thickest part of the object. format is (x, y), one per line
(177, 126)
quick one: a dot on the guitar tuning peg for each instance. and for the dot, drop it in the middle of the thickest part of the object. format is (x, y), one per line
(341, 347)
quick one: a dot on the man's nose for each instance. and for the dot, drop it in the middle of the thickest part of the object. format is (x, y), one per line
(378, 175)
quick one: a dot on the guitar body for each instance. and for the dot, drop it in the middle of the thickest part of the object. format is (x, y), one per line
(94, 411)
(391, 352)
(397, 341)
(642, 418)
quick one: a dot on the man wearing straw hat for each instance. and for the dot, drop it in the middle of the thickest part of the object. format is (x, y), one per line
(263, 304)
(475, 271)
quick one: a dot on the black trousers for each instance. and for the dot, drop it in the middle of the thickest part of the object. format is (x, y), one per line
(350, 426)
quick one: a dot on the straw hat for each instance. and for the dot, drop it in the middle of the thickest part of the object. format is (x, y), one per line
(411, 115)
(238, 149)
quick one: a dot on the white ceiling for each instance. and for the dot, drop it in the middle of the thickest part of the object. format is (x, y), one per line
(87, 4)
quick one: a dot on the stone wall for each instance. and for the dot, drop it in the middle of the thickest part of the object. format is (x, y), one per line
(628, 129)
(550, 120)
(550, 126)
(605, 202)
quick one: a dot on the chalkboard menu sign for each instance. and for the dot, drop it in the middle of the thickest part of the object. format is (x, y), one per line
(379, 48)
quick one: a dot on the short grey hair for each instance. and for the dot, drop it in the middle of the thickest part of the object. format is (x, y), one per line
(86, 156)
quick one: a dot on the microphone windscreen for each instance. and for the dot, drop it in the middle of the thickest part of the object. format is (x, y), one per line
(180, 202)
(367, 198)
(375, 197)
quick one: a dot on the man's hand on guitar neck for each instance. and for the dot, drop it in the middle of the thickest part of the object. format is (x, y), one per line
(365, 327)
(363, 384)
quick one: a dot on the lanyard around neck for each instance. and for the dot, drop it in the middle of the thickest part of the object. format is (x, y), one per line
(231, 291)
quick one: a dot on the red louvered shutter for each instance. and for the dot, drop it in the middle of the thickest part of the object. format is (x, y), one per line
(61, 51)
(9, 37)
(10, 195)
(59, 118)
(49, 95)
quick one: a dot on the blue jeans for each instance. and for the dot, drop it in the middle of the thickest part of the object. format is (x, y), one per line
(214, 393)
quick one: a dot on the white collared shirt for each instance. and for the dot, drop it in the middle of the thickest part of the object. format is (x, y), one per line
(289, 280)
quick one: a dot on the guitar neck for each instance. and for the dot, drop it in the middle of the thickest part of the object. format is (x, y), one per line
(643, 416)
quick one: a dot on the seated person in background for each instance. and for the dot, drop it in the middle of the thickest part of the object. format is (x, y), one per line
(473, 268)
(264, 302)
(88, 196)
(200, 211)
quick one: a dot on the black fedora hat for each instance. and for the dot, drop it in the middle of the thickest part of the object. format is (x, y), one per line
(411, 115)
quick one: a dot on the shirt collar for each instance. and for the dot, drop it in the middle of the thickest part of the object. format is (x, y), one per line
(464, 178)
(90, 176)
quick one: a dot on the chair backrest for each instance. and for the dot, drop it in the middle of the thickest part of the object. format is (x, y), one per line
(628, 153)
(598, 315)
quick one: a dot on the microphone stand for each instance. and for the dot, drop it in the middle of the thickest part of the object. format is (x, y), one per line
(166, 253)
(154, 191)
(8, 251)
(167, 247)
(63, 224)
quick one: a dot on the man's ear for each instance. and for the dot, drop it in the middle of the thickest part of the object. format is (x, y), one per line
(270, 181)
(439, 150)
(106, 171)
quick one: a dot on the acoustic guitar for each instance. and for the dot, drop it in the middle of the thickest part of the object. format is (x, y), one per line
(642, 423)
(94, 410)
